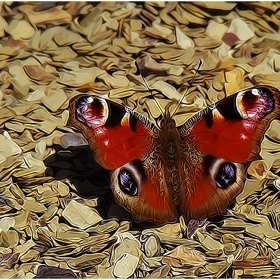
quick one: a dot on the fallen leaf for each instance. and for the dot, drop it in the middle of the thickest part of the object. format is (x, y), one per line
(186, 256)
(125, 266)
(20, 29)
(80, 215)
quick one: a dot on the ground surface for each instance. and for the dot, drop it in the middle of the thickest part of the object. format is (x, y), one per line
(50, 52)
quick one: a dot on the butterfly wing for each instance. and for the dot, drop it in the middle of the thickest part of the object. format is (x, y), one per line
(124, 142)
(220, 142)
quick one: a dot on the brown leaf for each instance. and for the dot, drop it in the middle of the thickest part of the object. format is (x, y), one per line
(259, 169)
(45, 271)
(256, 262)
(54, 15)
(148, 66)
(182, 255)
(36, 73)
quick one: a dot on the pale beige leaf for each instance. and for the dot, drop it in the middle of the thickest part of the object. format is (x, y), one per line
(80, 215)
(216, 30)
(20, 29)
(187, 256)
(125, 266)
(54, 99)
(209, 243)
(129, 246)
(182, 40)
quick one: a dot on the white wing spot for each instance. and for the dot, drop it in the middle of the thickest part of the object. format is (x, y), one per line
(89, 99)
(243, 136)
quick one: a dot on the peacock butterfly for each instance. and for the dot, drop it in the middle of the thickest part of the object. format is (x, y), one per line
(195, 170)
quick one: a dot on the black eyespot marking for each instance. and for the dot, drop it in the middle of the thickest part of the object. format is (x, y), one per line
(127, 183)
(116, 113)
(133, 122)
(227, 108)
(226, 175)
(209, 118)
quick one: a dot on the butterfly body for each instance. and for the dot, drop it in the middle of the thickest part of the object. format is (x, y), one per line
(195, 170)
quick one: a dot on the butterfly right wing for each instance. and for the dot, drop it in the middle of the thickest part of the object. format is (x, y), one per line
(220, 142)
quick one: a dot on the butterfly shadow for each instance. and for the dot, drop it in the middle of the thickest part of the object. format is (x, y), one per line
(90, 180)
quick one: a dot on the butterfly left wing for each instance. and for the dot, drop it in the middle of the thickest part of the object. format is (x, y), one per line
(220, 143)
(125, 142)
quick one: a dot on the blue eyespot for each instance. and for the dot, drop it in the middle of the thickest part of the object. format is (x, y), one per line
(127, 183)
(226, 175)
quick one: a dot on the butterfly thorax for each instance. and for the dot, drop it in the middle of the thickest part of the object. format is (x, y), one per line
(169, 138)
(170, 149)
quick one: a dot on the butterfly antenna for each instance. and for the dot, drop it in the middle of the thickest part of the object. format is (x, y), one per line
(147, 86)
(187, 90)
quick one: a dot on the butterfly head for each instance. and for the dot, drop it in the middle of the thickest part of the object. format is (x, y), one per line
(166, 120)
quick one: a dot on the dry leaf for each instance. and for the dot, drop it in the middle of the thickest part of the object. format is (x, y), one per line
(35, 72)
(148, 65)
(151, 245)
(213, 246)
(73, 139)
(45, 271)
(3, 25)
(237, 32)
(85, 260)
(54, 99)
(182, 40)
(20, 29)
(54, 15)
(20, 81)
(223, 6)
(128, 246)
(80, 215)
(186, 256)
(216, 30)
(125, 266)
(259, 169)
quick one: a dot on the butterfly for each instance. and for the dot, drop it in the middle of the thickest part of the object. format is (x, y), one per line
(161, 172)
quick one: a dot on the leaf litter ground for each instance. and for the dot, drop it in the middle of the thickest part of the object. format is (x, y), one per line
(57, 216)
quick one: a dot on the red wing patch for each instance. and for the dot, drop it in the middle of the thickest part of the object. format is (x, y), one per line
(231, 140)
(115, 146)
